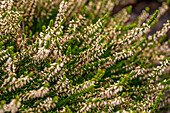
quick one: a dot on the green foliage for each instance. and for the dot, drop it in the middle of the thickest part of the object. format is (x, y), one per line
(153, 18)
(68, 52)
(147, 9)
(167, 2)
(129, 9)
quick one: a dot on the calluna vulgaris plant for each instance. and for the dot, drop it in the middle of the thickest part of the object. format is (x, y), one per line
(84, 61)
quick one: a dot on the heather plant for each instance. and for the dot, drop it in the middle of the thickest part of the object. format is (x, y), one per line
(72, 56)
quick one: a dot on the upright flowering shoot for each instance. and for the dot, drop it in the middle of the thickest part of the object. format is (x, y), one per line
(72, 56)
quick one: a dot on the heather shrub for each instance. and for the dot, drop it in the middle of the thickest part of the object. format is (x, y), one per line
(72, 56)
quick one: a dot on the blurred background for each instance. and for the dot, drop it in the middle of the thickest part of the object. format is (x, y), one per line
(139, 5)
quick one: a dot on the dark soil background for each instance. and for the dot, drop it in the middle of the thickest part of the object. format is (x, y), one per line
(138, 6)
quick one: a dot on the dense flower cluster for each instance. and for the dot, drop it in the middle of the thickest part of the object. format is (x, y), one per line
(84, 60)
